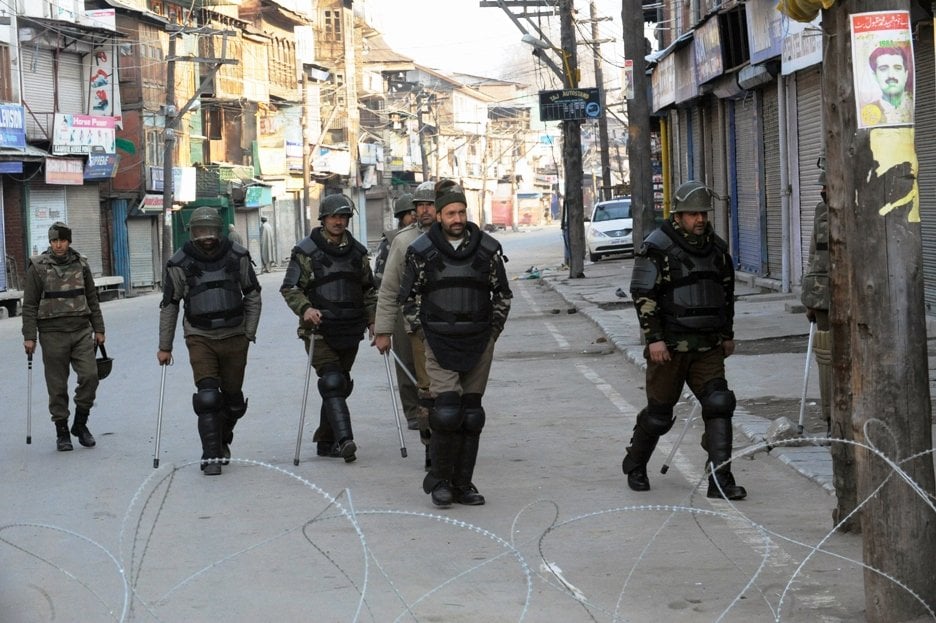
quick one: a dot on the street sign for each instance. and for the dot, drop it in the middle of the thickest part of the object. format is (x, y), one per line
(569, 105)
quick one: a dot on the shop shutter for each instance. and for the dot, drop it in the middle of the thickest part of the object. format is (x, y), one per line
(682, 174)
(810, 146)
(84, 217)
(38, 91)
(71, 84)
(715, 164)
(772, 180)
(49, 202)
(698, 132)
(925, 137)
(140, 232)
(748, 186)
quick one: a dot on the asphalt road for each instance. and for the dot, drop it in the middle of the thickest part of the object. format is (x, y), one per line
(100, 535)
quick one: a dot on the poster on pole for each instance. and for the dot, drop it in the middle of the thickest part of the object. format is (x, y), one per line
(882, 64)
(627, 79)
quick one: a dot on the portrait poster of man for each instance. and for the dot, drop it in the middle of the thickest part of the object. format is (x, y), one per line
(882, 63)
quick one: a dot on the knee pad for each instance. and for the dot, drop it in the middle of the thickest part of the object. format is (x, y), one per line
(656, 419)
(208, 398)
(446, 414)
(717, 401)
(332, 384)
(473, 414)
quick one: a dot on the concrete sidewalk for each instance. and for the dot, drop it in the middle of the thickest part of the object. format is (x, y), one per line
(758, 316)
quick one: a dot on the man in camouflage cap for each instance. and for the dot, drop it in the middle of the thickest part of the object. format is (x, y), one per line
(683, 291)
(60, 304)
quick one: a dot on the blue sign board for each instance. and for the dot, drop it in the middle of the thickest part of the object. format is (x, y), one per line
(100, 166)
(13, 166)
(12, 126)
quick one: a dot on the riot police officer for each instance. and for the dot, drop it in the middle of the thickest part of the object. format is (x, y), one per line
(455, 290)
(216, 280)
(330, 286)
(815, 297)
(683, 291)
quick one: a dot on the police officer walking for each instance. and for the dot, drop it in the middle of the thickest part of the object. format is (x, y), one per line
(330, 286)
(405, 213)
(215, 278)
(456, 291)
(683, 291)
(390, 319)
(60, 304)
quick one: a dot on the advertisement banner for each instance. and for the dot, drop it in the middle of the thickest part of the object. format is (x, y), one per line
(83, 134)
(64, 171)
(12, 126)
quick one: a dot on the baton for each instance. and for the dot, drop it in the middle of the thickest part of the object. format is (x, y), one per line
(802, 406)
(159, 414)
(305, 397)
(689, 418)
(29, 399)
(396, 410)
(404, 368)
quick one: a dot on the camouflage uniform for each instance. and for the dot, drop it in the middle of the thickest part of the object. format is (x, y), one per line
(815, 296)
(695, 346)
(334, 355)
(60, 304)
(458, 363)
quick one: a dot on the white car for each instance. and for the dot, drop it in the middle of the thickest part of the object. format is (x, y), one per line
(610, 228)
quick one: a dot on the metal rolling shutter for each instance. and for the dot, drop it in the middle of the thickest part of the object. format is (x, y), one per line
(748, 188)
(697, 127)
(715, 164)
(809, 141)
(140, 235)
(71, 85)
(926, 154)
(38, 91)
(49, 202)
(84, 217)
(772, 181)
(683, 147)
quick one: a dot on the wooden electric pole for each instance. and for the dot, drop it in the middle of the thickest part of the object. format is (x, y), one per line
(879, 350)
(572, 150)
(638, 123)
(603, 98)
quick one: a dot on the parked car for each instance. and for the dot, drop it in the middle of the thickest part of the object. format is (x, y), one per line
(610, 228)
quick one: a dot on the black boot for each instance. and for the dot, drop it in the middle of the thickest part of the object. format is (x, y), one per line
(63, 439)
(231, 415)
(642, 445)
(428, 464)
(444, 448)
(463, 489)
(721, 482)
(339, 416)
(636, 476)
(80, 428)
(210, 431)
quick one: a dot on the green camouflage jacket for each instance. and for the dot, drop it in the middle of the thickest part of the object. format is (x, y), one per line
(815, 294)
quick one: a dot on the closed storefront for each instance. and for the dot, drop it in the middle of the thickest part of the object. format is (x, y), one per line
(141, 233)
(697, 134)
(76, 205)
(772, 186)
(748, 184)
(805, 176)
(926, 154)
(715, 155)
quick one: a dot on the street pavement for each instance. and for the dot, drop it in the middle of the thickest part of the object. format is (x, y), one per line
(100, 535)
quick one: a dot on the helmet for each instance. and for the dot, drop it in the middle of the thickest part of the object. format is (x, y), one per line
(104, 363)
(692, 196)
(60, 231)
(425, 192)
(403, 204)
(335, 204)
(205, 217)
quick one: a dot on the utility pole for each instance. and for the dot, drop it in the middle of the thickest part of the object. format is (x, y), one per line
(603, 119)
(877, 318)
(169, 148)
(574, 211)
(638, 123)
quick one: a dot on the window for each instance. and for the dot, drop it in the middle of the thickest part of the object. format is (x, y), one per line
(332, 23)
